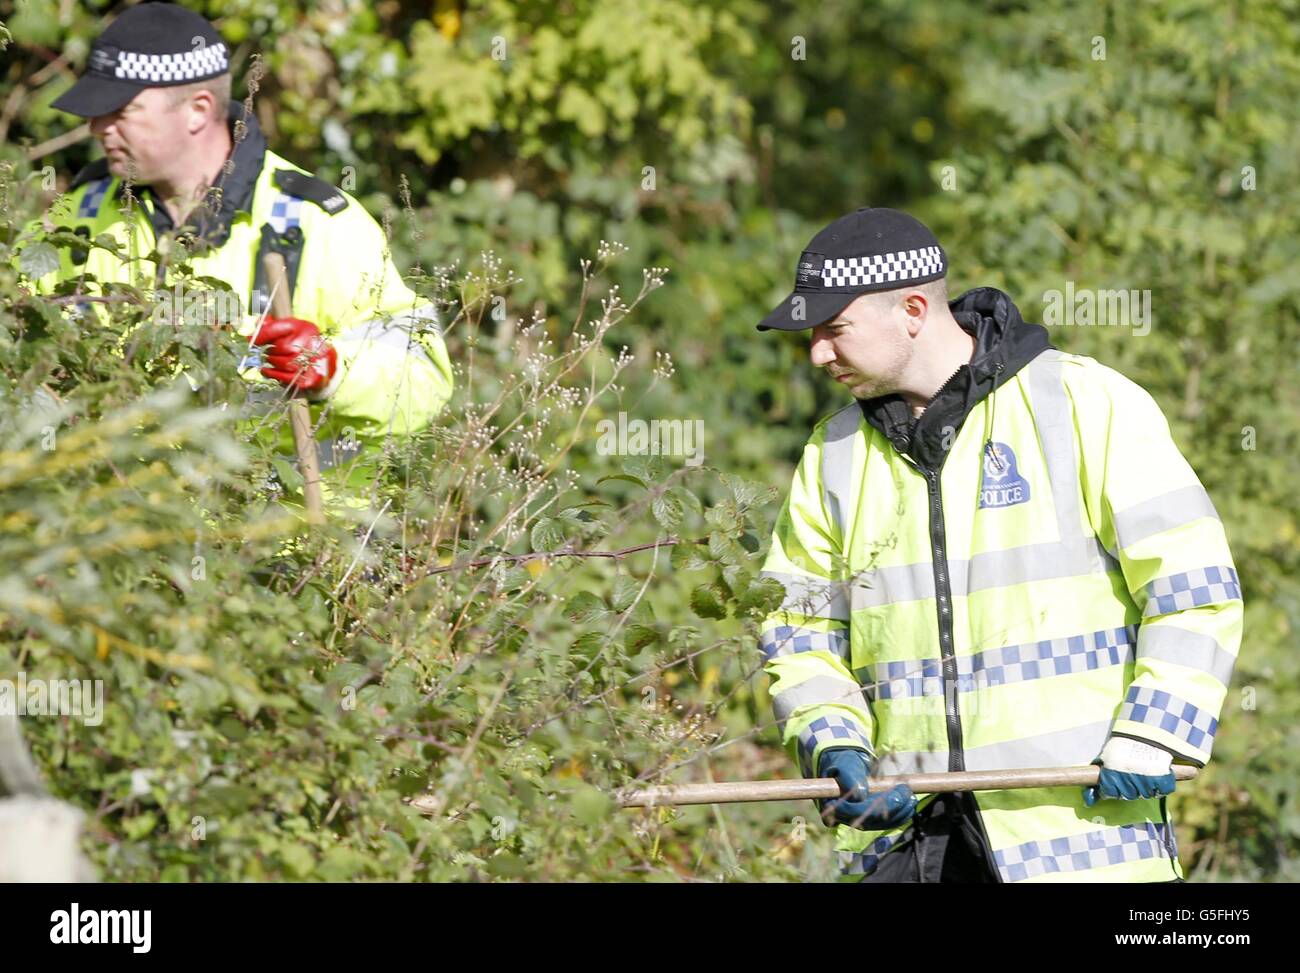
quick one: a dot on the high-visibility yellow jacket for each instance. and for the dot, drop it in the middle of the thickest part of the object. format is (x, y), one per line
(393, 372)
(1027, 568)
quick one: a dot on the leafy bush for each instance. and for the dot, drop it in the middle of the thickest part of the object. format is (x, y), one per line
(276, 698)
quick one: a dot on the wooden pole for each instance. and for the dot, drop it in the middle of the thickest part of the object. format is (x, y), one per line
(731, 792)
(304, 443)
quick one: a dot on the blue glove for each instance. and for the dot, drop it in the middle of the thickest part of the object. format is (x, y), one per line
(851, 769)
(1131, 770)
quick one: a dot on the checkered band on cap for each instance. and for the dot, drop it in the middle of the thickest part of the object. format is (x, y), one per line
(901, 267)
(195, 65)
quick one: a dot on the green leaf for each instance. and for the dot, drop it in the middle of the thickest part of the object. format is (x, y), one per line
(590, 805)
(288, 475)
(623, 476)
(723, 548)
(588, 643)
(342, 863)
(38, 259)
(744, 492)
(584, 607)
(705, 603)
(297, 858)
(688, 498)
(687, 556)
(723, 516)
(577, 515)
(649, 469)
(640, 636)
(137, 827)
(667, 510)
(624, 593)
(547, 534)
(762, 597)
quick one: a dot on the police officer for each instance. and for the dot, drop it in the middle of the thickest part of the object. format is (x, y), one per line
(182, 164)
(994, 558)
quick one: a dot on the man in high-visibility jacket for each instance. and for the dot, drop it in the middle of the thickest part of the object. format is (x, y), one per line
(995, 558)
(182, 164)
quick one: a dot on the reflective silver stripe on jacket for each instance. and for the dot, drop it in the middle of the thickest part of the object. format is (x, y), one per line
(813, 597)
(1074, 746)
(1195, 650)
(989, 569)
(1056, 439)
(1162, 513)
(837, 465)
(399, 332)
(817, 691)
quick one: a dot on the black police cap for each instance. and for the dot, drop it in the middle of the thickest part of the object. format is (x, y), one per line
(151, 45)
(870, 250)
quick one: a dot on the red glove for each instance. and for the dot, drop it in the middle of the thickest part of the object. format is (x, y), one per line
(297, 354)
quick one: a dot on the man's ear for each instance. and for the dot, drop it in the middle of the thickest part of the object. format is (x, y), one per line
(915, 305)
(201, 106)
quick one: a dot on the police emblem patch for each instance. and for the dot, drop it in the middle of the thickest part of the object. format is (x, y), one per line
(810, 266)
(1001, 485)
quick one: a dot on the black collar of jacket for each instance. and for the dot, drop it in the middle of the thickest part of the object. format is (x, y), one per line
(1004, 344)
(212, 224)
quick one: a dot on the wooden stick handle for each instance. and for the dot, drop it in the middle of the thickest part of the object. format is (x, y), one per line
(304, 444)
(731, 792)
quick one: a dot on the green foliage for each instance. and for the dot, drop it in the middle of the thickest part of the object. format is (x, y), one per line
(420, 697)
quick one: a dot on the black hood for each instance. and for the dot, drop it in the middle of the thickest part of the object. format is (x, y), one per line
(1004, 344)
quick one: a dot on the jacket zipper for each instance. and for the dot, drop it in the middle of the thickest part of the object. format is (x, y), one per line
(943, 604)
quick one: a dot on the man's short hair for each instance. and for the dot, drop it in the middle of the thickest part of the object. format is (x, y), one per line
(219, 86)
(936, 291)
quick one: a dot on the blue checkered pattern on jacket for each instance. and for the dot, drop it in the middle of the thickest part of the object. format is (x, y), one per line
(832, 731)
(787, 640)
(865, 862)
(1008, 664)
(1155, 707)
(286, 211)
(93, 197)
(1191, 589)
(1080, 852)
